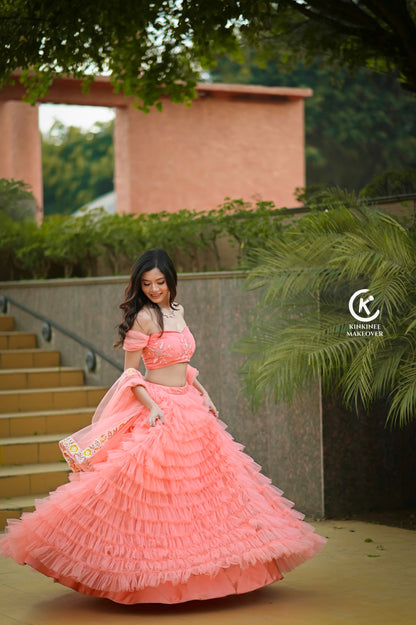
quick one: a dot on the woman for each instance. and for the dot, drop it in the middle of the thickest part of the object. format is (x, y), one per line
(162, 506)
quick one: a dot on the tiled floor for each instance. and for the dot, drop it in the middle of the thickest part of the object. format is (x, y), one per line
(365, 575)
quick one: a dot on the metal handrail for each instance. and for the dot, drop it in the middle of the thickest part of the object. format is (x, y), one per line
(53, 324)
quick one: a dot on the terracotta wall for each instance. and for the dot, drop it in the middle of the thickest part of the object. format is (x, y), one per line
(20, 153)
(233, 141)
(222, 146)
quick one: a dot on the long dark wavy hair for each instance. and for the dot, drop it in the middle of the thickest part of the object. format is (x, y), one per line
(135, 299)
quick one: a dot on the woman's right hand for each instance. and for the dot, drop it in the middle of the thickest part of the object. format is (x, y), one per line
(155, 413)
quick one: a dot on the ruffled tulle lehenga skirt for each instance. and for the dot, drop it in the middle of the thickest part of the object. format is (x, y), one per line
(162, 514)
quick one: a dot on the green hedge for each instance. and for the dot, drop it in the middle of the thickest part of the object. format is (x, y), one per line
(100, 244)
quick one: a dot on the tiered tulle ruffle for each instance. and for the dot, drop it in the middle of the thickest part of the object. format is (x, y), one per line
(169, 514)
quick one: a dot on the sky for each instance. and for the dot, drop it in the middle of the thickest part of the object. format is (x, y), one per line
(81, 116)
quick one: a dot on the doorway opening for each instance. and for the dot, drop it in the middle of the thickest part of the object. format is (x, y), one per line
(77, 157)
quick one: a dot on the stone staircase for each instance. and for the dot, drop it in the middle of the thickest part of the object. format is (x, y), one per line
(40, 403)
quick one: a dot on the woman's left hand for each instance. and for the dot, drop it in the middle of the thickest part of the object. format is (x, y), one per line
(210, 405)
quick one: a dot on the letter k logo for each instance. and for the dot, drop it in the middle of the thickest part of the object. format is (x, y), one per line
(363, 305)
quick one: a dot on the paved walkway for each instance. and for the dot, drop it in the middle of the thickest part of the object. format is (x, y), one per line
(365, 575)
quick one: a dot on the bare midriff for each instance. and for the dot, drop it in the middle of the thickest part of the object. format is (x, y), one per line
(172, 375)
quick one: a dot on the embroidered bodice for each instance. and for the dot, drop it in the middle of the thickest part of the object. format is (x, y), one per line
(160, 351)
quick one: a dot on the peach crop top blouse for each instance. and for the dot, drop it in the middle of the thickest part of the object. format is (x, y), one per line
(160, 351)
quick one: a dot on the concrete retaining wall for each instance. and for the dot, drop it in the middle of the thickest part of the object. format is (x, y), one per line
(326, 460)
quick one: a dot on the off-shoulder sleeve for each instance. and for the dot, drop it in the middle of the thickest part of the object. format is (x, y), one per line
(135, 341)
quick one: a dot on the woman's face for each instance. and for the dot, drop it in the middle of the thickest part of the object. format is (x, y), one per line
(154, 286)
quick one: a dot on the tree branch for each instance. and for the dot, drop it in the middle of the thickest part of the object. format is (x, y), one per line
(348, 12)
(396, 15)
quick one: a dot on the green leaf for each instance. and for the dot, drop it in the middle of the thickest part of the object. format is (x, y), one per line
(300, 331)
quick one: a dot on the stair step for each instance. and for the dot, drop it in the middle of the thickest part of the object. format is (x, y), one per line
(44, 421)
(50, 398)
(20, 503)
(40, 402)
(6, 323)
(24, 358)
(17, 340)
(29, 479)
(30, 449)
(42, 377)
(13, 507)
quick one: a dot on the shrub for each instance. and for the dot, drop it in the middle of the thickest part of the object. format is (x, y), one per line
(16, 200)
(95, 243)
(391, 183)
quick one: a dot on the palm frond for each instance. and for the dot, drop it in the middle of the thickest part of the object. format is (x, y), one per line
(300, 328)
(403, 405)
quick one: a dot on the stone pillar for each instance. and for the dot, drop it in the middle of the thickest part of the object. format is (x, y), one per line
(20, 154)
(122, 160)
